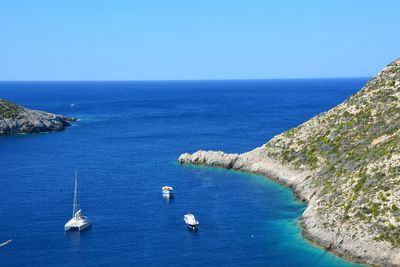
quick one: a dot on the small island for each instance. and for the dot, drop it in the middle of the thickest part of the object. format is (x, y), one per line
(345, 163)
(15, 119)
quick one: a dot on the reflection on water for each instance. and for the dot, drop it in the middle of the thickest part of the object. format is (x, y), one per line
(75, 236)
(75, 239)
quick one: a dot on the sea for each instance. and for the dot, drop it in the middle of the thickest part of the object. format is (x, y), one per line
(124, 147)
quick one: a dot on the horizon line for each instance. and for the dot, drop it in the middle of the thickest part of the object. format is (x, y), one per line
(191, 80)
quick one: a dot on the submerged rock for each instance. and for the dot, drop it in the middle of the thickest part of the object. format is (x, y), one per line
(15, 119)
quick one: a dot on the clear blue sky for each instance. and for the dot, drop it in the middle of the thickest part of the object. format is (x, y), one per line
(207, 39)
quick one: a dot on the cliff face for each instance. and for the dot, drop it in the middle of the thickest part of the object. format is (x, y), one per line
(345, 163)
(15, 119)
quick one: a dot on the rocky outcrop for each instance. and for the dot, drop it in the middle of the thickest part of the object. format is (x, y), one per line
(345, 164)
(252, 162)
(15, 119)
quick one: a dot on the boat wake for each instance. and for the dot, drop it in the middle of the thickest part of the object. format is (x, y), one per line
(5, 243)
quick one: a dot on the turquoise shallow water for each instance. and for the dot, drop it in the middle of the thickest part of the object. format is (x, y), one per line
(124, 148)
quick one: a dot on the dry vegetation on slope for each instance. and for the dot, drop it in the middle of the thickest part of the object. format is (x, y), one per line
(354, 151)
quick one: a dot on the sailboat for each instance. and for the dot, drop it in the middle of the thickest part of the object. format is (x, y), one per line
(78, 221)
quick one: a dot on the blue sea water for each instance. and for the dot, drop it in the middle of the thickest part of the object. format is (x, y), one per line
(125, 146)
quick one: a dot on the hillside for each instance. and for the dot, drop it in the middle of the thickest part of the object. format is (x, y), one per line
(345, 164)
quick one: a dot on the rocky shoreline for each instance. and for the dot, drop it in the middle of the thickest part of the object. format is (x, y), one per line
(345, 164)
(15, 119)
(338, 241)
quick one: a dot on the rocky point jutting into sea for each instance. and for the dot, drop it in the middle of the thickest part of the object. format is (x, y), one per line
(15, 119)
(345, 163)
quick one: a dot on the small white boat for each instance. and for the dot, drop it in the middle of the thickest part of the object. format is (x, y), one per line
(78, 221)
(190, 221)
(167, 191)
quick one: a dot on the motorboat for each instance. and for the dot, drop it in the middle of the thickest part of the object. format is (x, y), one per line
(167, 191)
(190, 221)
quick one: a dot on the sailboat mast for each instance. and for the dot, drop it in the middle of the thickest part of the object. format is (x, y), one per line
(75, 206)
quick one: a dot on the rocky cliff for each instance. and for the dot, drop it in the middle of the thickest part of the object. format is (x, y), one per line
(15, 119)
(346, 164)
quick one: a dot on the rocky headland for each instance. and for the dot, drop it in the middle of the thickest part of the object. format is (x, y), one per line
(345, 163)
(15, 119)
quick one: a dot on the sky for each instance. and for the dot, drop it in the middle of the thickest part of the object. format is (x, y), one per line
(196, 40)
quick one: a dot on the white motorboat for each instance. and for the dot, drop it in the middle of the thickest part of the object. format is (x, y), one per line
(78, 221)
(190, 221)
(167, 191)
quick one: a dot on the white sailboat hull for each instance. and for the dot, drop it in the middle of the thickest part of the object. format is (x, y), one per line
(79, 224)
